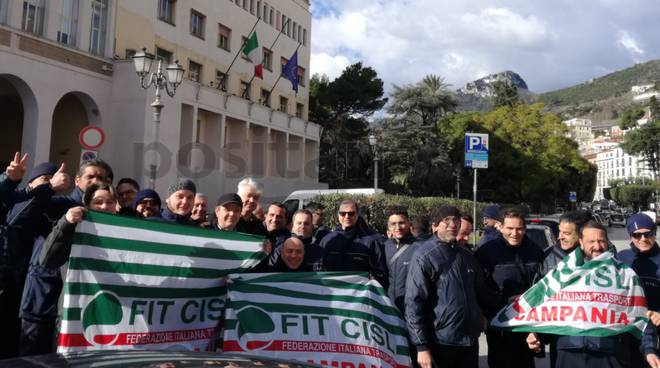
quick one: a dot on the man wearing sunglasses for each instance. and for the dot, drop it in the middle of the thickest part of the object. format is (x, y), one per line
(644, 258)
(353, 246)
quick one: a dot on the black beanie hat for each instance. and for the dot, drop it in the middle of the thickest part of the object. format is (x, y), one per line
(44, 168)
(145, 193)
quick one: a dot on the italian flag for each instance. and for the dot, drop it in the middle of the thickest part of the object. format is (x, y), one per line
(252, 51)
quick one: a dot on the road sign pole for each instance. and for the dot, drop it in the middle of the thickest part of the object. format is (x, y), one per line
(474, 210)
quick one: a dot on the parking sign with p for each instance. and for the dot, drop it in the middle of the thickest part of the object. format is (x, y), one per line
(476, 150)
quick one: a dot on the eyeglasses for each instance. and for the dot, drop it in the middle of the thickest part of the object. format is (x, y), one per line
(646, 234)
(346, 213)
(451, 220)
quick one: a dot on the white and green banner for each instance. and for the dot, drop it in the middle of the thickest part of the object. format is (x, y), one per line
(333, 319)
(599, 297)
(137, 284)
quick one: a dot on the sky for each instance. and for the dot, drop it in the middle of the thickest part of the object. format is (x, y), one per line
(551, 44)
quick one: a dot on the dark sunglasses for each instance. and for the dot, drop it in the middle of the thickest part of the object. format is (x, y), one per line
(646, 234)
(347, 213)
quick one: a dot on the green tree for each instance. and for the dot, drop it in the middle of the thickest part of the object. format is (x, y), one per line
(505, 94)
(644, 141)
(654, 108)
(342, 107)
(416, 155)
(630, 117)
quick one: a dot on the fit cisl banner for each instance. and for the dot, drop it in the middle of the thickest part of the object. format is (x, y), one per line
(136, 284)
(599, 297)
(333, 319)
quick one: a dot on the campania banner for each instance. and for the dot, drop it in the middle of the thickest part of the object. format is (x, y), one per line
(600, 297)
(137, 284)
(332, 318)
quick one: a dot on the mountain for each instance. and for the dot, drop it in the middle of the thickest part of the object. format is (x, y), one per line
(605, 98)
(476, 95)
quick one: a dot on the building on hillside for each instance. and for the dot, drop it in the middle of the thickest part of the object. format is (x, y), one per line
(580, 131)
(613, 163)
(67, 64)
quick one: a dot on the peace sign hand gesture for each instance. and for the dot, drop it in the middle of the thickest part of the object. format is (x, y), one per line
(16, 168)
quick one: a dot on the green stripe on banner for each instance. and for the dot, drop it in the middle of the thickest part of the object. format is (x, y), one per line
(71, 314)
(292, 308)
(162, 248)
(263, 289)
(402, 350)
(144, 269)
(77, 288)
(312, 278)
(166, 227)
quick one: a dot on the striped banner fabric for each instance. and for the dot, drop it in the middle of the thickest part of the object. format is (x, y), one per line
(330, 318)
(137, 284)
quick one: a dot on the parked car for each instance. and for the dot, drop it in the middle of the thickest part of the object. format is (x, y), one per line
(616, 219)
(298, 199)
(541, 235)
(149, 359)
(551, 221)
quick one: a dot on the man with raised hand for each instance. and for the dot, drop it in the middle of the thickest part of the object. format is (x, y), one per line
(622, 350)
(443, 297)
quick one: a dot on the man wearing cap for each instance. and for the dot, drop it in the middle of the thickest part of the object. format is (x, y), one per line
(147, 203)
(492, 222)
(644, 258)
(228, 212)
(179, 203)
(443, 297)
(510, 263)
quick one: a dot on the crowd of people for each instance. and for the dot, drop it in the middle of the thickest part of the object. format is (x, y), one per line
(445, 288)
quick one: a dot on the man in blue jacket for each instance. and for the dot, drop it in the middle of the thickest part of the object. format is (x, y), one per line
(399, 249)
(443, 297)
(510, 262)
(353, 246)
(492, 221)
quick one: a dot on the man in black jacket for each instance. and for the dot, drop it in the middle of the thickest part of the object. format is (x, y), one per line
(443, 295)
(510, 262)
(399, 249)
(354, 247)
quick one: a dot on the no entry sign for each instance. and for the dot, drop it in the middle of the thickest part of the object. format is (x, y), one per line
(91, 137)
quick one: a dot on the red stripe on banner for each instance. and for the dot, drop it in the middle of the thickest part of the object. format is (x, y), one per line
(317, 347)
(599, 297)
(141, 338)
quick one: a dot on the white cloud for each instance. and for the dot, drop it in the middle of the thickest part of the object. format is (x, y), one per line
(629, 43)
(331, 66)
(550, 44)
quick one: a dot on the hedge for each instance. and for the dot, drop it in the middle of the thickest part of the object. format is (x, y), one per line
(377, 205)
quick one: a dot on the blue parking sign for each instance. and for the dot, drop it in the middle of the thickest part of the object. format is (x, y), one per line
(476, 150)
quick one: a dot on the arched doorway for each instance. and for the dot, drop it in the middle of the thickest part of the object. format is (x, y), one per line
(73, 112)
(12, 121)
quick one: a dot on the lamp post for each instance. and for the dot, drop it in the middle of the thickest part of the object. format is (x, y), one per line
(169, 82)
(372, 143)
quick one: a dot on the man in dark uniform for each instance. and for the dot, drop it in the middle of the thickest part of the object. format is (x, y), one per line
(492, 221)
(399, 249)
(510, 262)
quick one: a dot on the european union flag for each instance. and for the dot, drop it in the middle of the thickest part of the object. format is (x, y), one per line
(290, 70)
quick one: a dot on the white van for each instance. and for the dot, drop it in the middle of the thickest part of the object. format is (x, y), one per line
(298, 199)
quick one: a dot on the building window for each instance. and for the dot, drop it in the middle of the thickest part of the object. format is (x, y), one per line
(271, 16)
(3, 10)
(99, 25)
(166, 10)
(252, 7)
(259, 9)
(268, 59)
(197, 21)
(164, 55)
(299, 34)
(33, 16)
(194, 71)
(301, 76)
(295, 30)
(283, 62)
(244, 41)
(224, 35)
(221, 80)
(300, 108)
(264, 99)
(284, 23)
(277, 20)
(68, 23)
(245, 90)
(304, 40)
(284, 104)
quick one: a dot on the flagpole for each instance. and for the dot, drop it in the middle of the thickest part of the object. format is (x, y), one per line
(280, 77)
(273, 45)
(236, 56)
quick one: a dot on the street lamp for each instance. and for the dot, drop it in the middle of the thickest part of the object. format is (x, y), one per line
(142, 61)
(372, 143)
